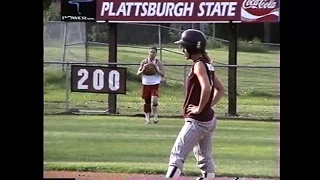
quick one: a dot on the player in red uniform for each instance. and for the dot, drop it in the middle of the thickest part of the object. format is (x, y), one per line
(151, 83)
(204, 90)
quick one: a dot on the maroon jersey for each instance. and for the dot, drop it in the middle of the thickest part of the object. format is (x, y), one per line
(194, 92)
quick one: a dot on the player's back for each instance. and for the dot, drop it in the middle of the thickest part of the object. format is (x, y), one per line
(194, 93)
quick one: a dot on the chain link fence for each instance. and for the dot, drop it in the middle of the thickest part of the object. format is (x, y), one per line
(258, 92)
(64, 41)
(258, 84)
(80, 41)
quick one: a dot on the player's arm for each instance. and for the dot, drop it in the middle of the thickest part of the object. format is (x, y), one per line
(160, 69)
(201, 72)
(141, 68)
(219, 90)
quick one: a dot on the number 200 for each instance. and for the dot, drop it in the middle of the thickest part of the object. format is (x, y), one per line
(98, 79)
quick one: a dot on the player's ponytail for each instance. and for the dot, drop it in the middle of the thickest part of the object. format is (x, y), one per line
(205, 55)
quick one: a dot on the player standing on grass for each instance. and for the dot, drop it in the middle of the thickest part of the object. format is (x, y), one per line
(204, 90)
(150, 84)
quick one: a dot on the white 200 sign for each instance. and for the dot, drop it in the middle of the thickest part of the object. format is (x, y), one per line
(98, 79)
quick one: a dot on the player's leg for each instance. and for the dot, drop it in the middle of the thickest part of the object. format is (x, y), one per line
(203, 154)
(146, 96)
(154, 102)
(147, 109)
(203, 150)
(188, 137)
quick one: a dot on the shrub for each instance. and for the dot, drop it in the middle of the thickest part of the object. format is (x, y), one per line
(252, 46)
(212, 43)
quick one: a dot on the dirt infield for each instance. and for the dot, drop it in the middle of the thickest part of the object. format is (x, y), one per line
(119, 176)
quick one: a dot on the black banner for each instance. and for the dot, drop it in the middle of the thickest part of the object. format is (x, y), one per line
(78, 10)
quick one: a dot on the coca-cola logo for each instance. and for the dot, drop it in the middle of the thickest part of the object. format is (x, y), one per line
(259, 7)
(259, 4)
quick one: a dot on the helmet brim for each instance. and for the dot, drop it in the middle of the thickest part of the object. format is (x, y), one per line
(182, 43)
(179, 42)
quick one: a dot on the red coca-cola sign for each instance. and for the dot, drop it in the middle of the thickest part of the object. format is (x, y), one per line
(260, 11)
(169, 11)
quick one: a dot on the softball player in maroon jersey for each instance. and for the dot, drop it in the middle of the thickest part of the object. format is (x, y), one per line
(204, 90)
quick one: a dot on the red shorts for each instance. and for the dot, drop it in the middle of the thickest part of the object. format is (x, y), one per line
(150, 90)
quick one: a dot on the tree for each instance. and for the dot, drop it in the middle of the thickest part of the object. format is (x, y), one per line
(46, 4)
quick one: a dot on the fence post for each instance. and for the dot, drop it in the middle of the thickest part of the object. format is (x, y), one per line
(278, 88)
(232, 71)
(87, 29)
(213, 30)
(112, 38)
(64, 43)
(160, 44)
(67, 87)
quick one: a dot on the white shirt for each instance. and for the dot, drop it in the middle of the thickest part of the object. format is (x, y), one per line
(151, 79)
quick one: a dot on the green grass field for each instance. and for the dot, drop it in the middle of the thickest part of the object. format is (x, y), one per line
(257, 88)
(126, 144)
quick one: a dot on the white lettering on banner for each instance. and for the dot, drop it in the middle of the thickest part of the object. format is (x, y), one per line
(259, 4)
(148, 9)
(217, 9)
(160, 9)
(98, 79)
